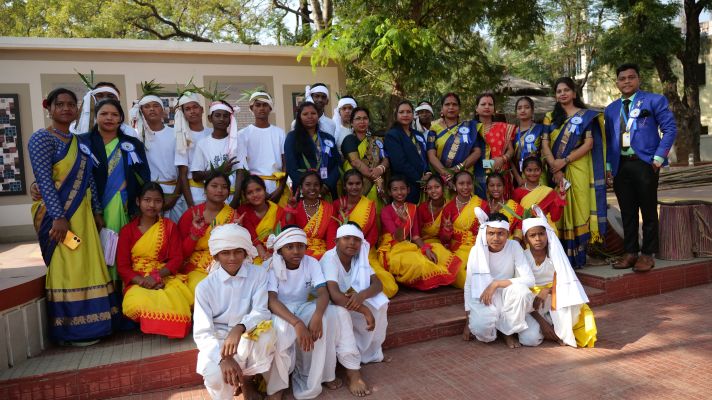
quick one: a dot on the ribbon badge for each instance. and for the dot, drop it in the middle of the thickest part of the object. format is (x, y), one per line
(464, 132)
(87, 152)
(328, 143)
(131, 150)
(635, 113)
(575, 122)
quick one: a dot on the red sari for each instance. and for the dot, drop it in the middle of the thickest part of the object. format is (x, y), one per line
(261, 228)
(315, 227)
(366, 218)
(496, 140)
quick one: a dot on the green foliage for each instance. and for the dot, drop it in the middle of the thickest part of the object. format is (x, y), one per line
(151, 88)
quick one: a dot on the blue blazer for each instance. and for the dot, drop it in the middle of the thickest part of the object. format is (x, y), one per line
(405, 159)
(295, 161)
(645, 139)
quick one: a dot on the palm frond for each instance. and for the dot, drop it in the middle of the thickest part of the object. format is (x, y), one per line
(151, 88)
(213, 92)
(87, 80)
(247, 93)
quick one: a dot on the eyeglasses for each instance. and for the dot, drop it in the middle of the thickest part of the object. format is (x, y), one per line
(361, 119)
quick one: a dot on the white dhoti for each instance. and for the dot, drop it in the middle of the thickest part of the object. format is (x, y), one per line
(563, 320)
(341, 342)
(506, 314)
(253, 357)
(370, 343)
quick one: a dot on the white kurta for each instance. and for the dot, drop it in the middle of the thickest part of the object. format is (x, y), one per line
(186, 159)
(264, 148)
(214, 152)
(341, 133)
(309, 369)
(222, 302)
(510, 305)
(563, 319)
(161, 155)
(369, 343)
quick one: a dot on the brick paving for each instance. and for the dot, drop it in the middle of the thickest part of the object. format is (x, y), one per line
(654, 347)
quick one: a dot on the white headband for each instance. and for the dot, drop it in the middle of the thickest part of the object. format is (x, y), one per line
(342, 102)
(485, 222)
(263, 97)
(308, 90)
(232, 129)
(221, 106)
(424, 107)
(138, 122)
(105, 89)
(82, 125)
(188, 97)
(349, 230)
(289, 235)
(231, 236)
(181, 126)
(150, 98)
(478, 261)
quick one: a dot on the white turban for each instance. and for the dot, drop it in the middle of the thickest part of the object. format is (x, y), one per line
(342, 102)
(289, 235)
(479, 255)
(181, 127)
(569, 291)
(229, 237)
(308, 90)
(84, 122)
(263, 97)
(424, 106)
(138, 122)
(361, 270)
(232, 129)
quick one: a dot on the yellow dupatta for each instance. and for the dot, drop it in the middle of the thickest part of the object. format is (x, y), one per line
(316, 230)
(430, 230)
(266, 227)
(201, 258)
(536, 196)
(144, 253)
(585, 330)
(462, 227)
(442, 140)
(361, 213)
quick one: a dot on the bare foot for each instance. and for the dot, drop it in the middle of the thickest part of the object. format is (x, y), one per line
(512, 341)
(357, 386)
(546, 328)
(249, 391)
(335, 384)
(466, 334)
(387, 359)
(275, 396)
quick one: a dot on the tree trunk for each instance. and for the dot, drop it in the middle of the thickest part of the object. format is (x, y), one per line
(689, 139)
(396, 96)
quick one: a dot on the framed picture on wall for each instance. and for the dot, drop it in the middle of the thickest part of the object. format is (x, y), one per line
(12, 174)
(297, 98)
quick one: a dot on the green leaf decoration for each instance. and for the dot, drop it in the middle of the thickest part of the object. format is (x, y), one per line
(509, 210)
(213, 92)
(87, 80)
(151, 88)
(247, 93)
(188, 88)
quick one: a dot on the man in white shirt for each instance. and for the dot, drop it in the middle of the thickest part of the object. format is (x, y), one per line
(189, 131)
(221, 150)
(101, 91)
(264, 148)
(342, 119)
(318, 94)
(353, 284)
(232, 327)
(160, 142)
(497, 295)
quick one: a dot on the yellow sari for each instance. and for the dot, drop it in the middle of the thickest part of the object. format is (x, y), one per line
(200, 260)
(585, 330)
(159, 311)
(464, 238)
(266, 226)
(370, 153)
(316, 228)
(537, 196)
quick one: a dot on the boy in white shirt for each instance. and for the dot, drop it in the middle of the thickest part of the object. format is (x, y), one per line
(342, 119)
(264, 148)
(497, 295)
(189, 131)
(232, 326)
(353, 284)
(311, 335)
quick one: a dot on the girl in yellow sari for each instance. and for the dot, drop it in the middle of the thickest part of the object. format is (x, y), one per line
(533, 192)
(311, 213)
(198, 222)
(402, 251)
(497, 203)
(364, 152)
(259, 216)
(149, 257)
(460, 224)
(355, 207)
(80, 296)
(575, 152)
(430, 212)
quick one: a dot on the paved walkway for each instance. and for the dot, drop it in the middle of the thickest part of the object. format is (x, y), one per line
(654, 347)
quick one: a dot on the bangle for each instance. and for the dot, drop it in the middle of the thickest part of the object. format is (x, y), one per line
(568, 161)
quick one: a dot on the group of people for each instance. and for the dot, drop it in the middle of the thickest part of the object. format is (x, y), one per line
(281, 251)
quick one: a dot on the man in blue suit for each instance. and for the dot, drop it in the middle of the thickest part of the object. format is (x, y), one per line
(635, 152)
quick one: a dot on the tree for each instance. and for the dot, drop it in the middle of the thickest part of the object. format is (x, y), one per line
(647, 35)
(420, 48)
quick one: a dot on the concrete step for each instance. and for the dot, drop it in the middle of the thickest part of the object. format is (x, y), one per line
(410, 300)
(424, 325)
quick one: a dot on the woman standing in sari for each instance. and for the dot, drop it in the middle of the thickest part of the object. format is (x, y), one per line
(406, 151)
(527, 142)
(259, 216)
(430, 212)
(197, 223)
(402, 251)
(149, 258)
(575, 152)
(533, 192)
(459, 222)
(311, 213)
(357, 208)
(365, 153)
(497, 203)
(498, 148)
(81, 303)
(453, 145)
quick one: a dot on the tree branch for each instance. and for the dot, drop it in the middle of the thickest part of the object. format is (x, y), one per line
(177, 31)
(284, 7)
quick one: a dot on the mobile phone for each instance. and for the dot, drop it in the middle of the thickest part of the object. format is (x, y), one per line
(71, 240)
(488, 163)
(567, 184)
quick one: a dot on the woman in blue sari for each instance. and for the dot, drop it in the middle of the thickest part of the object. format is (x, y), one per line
(575, 152)
(527, 142)
(122, 169)
(308, 148)
(453, 145)
(80, 296)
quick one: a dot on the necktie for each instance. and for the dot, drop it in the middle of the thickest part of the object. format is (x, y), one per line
(626, 110)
